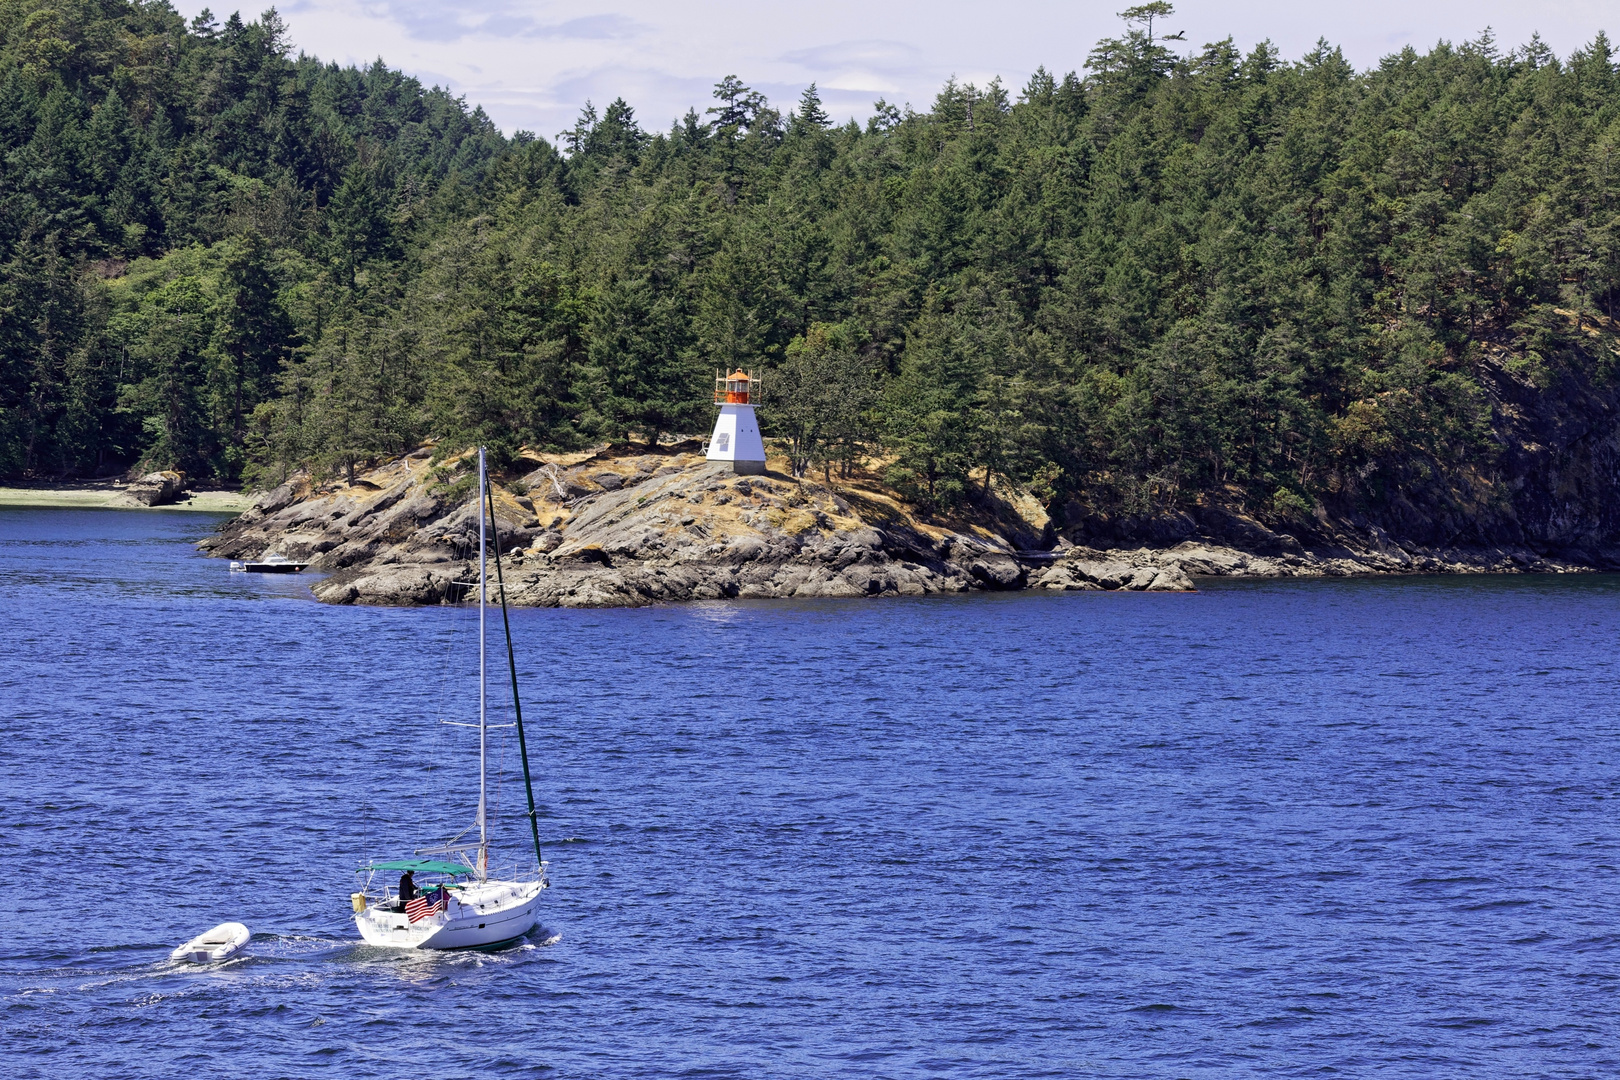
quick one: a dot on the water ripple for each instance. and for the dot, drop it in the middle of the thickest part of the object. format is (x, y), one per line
(1362, 827)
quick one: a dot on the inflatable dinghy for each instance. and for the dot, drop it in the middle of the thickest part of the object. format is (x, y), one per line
(221, 943)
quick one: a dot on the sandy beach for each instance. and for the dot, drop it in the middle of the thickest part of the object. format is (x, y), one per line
(103, 495)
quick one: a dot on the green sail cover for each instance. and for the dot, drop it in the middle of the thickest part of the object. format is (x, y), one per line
(421, 866)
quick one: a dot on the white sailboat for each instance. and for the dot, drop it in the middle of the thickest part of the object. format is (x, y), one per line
(459, 903)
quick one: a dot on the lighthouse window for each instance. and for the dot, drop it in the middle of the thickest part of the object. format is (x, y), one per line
(722, 441)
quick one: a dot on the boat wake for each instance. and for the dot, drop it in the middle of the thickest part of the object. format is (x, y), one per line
(298, 946)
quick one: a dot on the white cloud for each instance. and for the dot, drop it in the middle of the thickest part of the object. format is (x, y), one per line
(533, 63)
(429, 20)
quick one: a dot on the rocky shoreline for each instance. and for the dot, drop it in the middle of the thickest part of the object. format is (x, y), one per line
(626, 526)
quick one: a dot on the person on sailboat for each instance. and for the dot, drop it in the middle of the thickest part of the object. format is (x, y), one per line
(407, 888)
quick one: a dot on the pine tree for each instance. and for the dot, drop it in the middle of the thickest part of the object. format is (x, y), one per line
(357, 224)
(642, 374)
(810, 114)
(252, 335)
(818, 397)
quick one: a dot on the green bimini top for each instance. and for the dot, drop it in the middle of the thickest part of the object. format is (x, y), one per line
(422, 866)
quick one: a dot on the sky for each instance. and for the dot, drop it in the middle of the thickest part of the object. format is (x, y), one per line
(532, 64)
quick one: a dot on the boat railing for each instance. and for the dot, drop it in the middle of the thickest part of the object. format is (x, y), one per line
(515, 871)
(380, 888)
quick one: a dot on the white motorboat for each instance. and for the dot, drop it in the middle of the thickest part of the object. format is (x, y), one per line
(221, 943)
(460, 903)
(275, 563)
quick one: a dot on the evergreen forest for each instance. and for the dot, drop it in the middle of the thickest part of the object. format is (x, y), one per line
(1173, 273)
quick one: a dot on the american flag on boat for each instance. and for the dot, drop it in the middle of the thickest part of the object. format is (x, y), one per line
(428, 902)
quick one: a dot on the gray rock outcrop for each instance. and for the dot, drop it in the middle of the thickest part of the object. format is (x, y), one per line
(606, 530)
(153, 489)
(619, 532)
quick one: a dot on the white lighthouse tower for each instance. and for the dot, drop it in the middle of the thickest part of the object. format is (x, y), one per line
(736, 430)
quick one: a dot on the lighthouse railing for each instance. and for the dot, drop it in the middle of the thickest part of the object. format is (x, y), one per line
(746, 394)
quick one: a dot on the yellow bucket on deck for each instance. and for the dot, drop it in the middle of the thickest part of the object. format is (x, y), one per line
(358, 900)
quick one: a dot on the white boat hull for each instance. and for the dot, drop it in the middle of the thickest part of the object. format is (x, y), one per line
(484, 913)
(221, 943)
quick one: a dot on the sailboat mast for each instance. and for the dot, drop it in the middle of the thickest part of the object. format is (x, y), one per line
(517, 705)
(483, 818)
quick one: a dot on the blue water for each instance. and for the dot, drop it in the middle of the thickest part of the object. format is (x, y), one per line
(1273, 829)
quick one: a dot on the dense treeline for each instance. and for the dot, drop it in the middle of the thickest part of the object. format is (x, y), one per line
(178, 206)
(1170, 276)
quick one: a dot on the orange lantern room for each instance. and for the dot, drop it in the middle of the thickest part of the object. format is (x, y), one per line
(734, 389)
